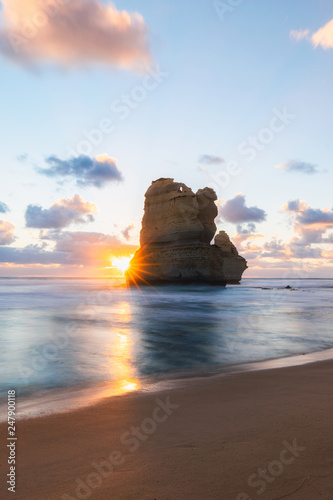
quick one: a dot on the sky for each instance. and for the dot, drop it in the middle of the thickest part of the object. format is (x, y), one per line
(98, 99)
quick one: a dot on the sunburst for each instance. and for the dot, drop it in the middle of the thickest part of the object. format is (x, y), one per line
(121, 263)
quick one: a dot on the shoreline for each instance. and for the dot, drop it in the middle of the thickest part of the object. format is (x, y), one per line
(208, 440)
(75, 398)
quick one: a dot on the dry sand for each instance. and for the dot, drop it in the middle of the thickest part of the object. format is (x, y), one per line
(226, 431)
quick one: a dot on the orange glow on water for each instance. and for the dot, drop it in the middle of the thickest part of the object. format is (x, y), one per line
(121, 366)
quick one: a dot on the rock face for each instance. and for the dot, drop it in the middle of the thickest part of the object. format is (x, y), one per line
(177, 229)
(234, 264)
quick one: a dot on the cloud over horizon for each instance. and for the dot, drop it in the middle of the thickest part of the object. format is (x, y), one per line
(89, 248)
(96, 172)
(312, 234)
(61, 214)
(311, 226)
(77, 248)
(73, 33)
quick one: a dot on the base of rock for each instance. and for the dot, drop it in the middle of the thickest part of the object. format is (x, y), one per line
(192, 264)
(233, 269)
(233, 264)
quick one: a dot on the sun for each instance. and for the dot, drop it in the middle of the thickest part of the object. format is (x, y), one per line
(122, 263)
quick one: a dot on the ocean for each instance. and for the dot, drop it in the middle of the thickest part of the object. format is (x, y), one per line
(66, 342)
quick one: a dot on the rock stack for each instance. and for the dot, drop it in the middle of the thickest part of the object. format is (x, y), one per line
(175, 240)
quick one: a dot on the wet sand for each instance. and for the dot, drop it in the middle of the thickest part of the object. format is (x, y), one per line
(253, 435)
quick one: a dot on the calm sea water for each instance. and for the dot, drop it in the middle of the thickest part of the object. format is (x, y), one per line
(68, 334)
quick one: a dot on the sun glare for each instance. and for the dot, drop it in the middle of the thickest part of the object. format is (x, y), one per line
(121, 263)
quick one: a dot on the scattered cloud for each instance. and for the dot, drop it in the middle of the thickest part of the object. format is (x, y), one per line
(315, 216)
(211, 160)
(22, 157)
(238, 240)
(6, 233)
(293, 206)
(273, 249)
(306, 215)
(3, 208)
(86, 171)
(299, 166)
(73, 33)
(323, 37)
(245, 233)
(299, 251)
(312, 240)
(61, 214)
(249, 229)
(236, 211)
(90, 248)
(30, 254)
(126, 231)
(311, 227)
(299, 35)
(309, 235)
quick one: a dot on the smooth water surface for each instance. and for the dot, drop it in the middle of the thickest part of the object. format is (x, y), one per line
(77, 333)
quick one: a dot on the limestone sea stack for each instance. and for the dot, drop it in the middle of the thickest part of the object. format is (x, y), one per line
(233, 264)
(175, 240)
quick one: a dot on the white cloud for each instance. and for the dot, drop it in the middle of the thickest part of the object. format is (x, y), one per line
(73, 32)
(323, 37)
(61, 214)
(299, 35)
(6, 233)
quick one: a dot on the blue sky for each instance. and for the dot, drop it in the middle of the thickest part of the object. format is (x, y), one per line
(225, 73)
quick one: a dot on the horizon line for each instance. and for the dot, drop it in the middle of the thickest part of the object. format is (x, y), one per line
(123, 277)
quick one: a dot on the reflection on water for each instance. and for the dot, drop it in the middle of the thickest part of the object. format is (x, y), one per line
(80, 333)
(119, 352)
(171, 340)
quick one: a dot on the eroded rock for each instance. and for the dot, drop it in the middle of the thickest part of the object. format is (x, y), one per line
(234, 264)
(175, 240)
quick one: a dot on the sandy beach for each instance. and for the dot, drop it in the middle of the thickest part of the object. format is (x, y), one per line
(166, 250)
(262, 434)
